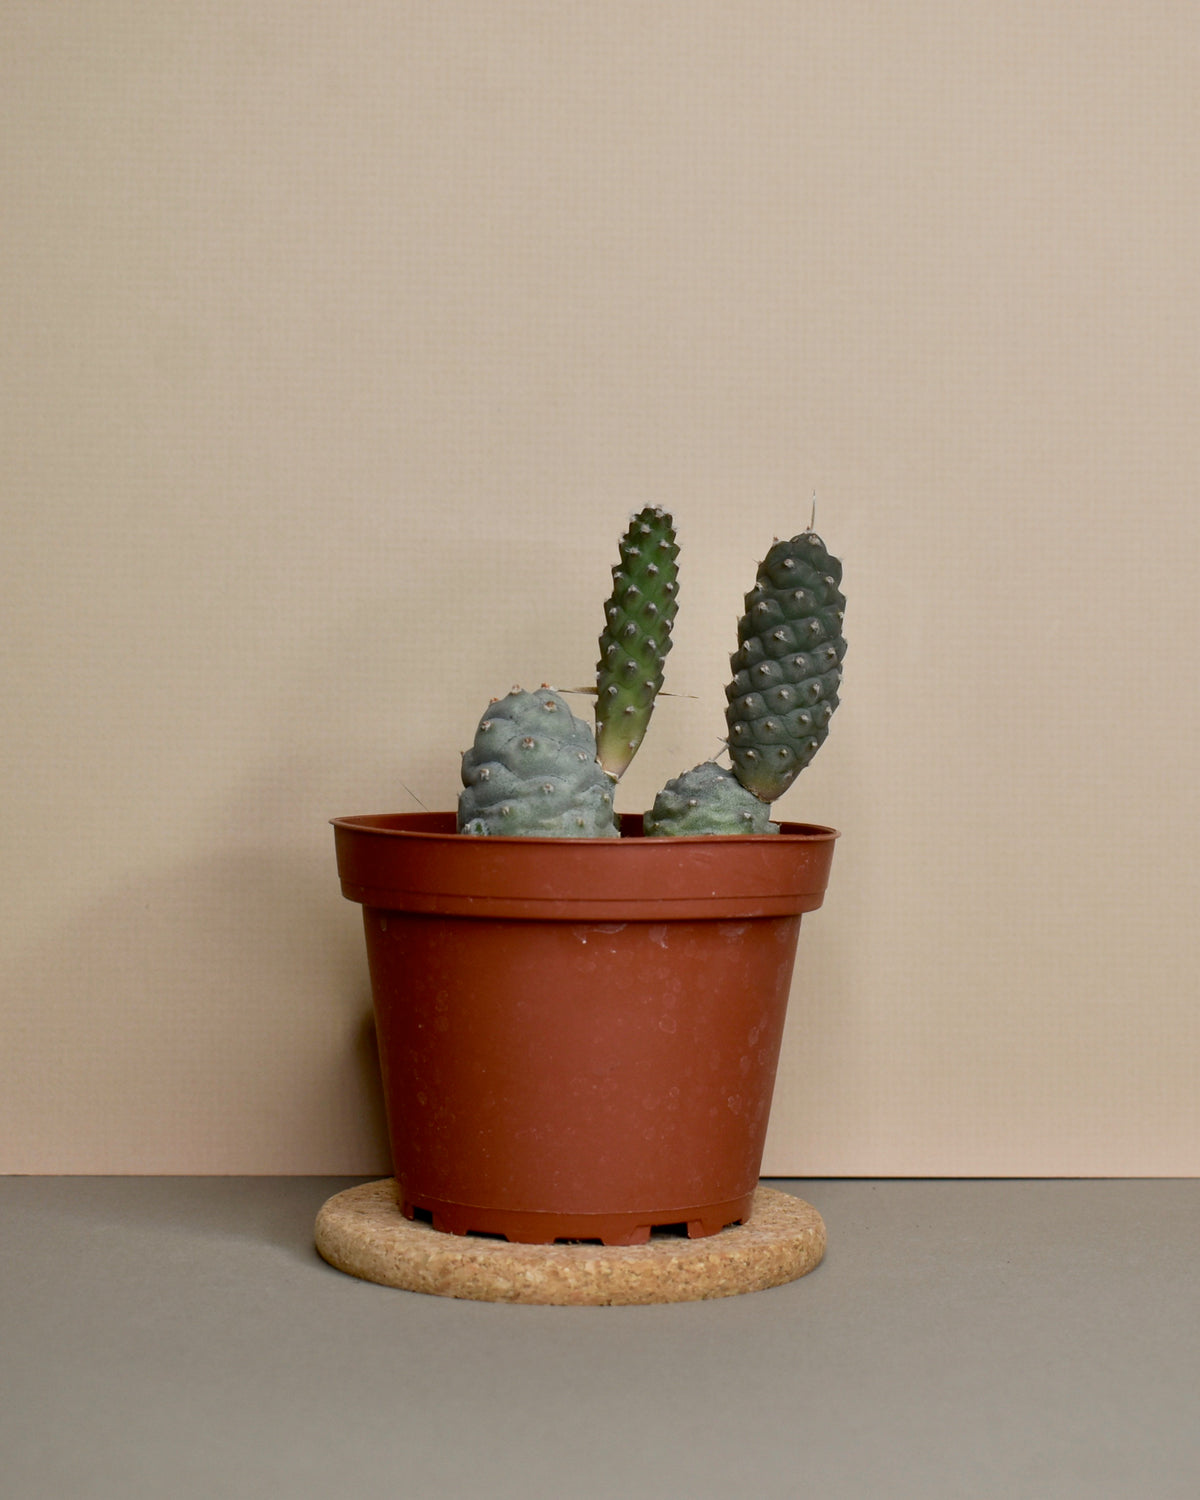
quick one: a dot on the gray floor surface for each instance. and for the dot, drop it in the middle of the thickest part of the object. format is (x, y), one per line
(179, 1338)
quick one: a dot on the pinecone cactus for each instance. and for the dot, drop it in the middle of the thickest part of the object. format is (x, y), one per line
(708, 799)
(532, 771)
(787, 668)
(636, 637)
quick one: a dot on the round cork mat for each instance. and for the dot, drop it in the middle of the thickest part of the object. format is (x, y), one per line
(362, 1231)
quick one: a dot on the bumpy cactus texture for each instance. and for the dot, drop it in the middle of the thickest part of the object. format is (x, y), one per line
(532, 771)
(787, 668)
(708, 799)
(636, 637)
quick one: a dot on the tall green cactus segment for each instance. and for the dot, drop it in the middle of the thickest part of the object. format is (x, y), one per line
(532, 771)
(636, 637)
(787, 668)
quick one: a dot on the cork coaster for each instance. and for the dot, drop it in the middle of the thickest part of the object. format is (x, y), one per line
(362, 1231)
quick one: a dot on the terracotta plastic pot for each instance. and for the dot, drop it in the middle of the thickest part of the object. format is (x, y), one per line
(578, 1037)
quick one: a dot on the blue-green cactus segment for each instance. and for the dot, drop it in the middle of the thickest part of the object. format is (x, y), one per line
(532, 771)
(788, 665)
(708, 799)
(636, 637)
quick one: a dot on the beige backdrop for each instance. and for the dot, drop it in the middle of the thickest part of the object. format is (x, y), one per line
(339, 341)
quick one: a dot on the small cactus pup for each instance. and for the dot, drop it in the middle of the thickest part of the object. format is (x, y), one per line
(532, 771)
(708, 799)
(787, 672)
(636, 637)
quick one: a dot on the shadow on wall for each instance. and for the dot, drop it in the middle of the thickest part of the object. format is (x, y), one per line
(235, 1033)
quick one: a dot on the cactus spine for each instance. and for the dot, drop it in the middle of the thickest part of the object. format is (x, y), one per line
(636, 637)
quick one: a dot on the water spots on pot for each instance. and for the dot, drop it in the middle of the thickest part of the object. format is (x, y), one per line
(731, 931)
(668, 1024)
(734, 1104)
(659, 933)
(596, 930)
(744, 1065)
(608, 1087)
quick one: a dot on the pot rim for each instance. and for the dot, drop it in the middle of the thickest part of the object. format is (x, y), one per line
(440, 825)
(419, 862)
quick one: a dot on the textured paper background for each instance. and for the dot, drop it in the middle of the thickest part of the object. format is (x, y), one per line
(338, 344)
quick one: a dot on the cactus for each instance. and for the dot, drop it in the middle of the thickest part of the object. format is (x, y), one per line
(708, 799)
(636, 637)
(787, 668)
(536, 769)
(532, 770)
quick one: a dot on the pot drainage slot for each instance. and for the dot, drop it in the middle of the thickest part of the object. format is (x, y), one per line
(670, 1231)
(691, 1229)
(426, 1216)
(621, 1231)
